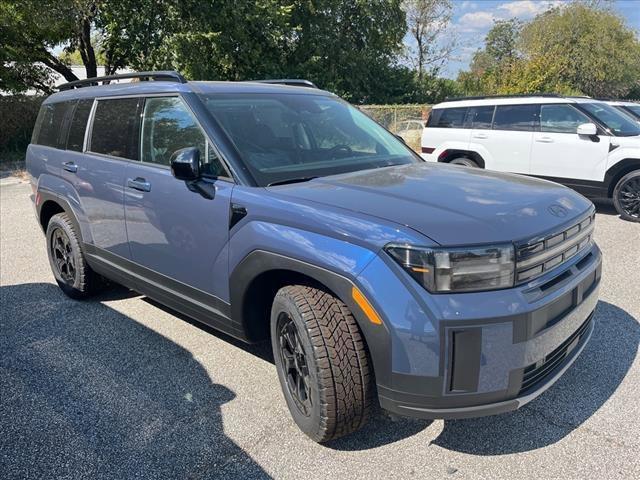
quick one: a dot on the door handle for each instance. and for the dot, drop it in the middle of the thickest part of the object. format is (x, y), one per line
(544, 139)
(480, 135)
(139, 184)
(70, 167)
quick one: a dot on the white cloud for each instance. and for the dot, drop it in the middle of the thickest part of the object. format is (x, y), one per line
(525, 9)
(466, 5)
(470, 22)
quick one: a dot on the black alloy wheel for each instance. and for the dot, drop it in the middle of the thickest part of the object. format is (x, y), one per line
(63, 256)
(295, 363)
(626, 196)
(629, 197)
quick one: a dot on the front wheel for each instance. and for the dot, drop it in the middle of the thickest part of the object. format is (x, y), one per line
(626, 196)
(322, 362)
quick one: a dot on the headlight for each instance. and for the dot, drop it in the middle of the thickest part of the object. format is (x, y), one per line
(457, 269)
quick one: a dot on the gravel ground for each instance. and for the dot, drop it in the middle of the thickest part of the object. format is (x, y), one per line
(119, 387)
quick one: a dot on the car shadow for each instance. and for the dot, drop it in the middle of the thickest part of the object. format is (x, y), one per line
(581, 391)
(605, 206)
(88, 392)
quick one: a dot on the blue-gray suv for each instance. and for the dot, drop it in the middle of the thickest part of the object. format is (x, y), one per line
(275, 210)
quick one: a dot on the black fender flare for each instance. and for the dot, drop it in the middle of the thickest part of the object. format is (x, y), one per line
(44, 197)
(619, 170)
(258, 262)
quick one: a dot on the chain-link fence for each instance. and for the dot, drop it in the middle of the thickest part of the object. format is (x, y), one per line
(404, 120)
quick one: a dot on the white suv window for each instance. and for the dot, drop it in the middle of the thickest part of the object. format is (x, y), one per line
(559, 118)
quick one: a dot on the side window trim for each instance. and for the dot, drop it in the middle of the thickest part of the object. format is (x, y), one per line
(89, 130)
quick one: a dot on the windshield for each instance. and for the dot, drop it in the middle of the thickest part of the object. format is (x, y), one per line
(615, 121)
(288, 137)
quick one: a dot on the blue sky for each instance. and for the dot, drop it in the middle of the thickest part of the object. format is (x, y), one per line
(472, 19)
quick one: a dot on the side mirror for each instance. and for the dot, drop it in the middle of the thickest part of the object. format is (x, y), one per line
(588, 129)
(185, 163)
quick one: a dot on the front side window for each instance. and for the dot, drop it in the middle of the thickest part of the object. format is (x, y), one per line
(516, 117)
(614, 121)
(50, 124)
(287, 137)
(115, 128)
(168, 126)
(561, 118)
(78, 125)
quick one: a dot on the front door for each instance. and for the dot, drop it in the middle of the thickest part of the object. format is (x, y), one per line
(173, 230)
(558, 151)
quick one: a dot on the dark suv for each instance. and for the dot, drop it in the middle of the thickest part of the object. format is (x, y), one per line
(279, 211)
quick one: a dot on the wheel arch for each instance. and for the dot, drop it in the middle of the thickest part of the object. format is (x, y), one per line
(48, 205)
(257, 278)
(619, 170)
(447, 155)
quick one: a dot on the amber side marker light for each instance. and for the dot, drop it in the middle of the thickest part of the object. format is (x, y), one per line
(365, 306)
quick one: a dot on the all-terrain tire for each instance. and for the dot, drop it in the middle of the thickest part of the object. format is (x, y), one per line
(82, 281)
(339, 373)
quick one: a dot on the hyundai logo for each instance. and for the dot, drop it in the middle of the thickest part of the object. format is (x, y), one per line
(557, 210)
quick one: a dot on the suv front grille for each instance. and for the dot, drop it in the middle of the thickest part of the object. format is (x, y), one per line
(536, 372)
(538, 256)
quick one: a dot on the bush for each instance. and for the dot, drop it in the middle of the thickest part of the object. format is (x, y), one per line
(17, 116)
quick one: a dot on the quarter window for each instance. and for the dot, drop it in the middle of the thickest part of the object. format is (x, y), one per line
(559, 118)
(451, 118)
(50, 124)
(115, 128)
(78, 125)
(168, 126)
(516, 117)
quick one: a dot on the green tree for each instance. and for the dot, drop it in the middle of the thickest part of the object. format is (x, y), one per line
(587, 49)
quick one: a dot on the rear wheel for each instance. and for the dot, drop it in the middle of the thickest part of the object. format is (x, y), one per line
(322, 362)
(71, 271)
(466, 162)
(626, 196)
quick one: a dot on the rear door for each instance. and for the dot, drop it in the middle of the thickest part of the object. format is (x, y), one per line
(98, 174)
(508, 144)
(175, 232)
(559, 152)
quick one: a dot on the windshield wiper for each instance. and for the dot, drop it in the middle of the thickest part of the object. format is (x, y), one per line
(291, 180)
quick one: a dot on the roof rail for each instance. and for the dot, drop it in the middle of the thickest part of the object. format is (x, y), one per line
(515, 95)
(292, 82)
(167, 75)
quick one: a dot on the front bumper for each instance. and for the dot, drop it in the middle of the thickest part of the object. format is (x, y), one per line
(469, 355)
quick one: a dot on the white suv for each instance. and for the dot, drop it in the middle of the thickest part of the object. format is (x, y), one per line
(586, 144)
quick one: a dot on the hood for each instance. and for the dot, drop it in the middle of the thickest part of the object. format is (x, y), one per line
(451, 205)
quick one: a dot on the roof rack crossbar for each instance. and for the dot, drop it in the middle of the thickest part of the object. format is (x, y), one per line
(515, 95)
(292, 82)
(167, 76)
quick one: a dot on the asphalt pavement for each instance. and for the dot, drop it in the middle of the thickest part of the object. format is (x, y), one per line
(121, 387)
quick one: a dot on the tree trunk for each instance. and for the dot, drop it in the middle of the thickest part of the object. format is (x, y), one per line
(86, 49)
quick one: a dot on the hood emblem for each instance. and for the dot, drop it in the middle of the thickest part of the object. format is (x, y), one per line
(557, 210)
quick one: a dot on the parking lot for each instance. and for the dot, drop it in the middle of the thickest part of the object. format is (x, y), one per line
(121, 387)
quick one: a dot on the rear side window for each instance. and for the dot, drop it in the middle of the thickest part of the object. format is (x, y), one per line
(516, 117)
(450, 118)
(115, 128)
(78, 125)
(480, 117)
(50, 128)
